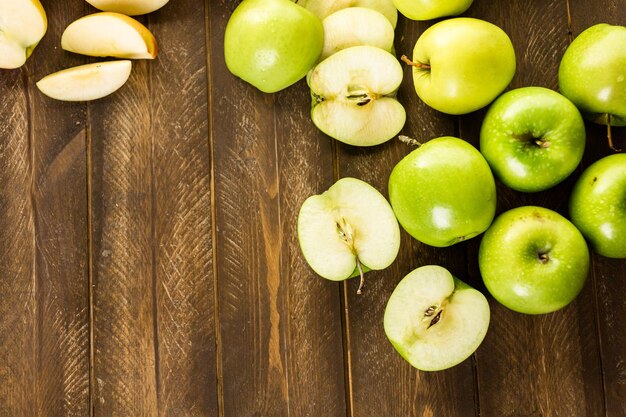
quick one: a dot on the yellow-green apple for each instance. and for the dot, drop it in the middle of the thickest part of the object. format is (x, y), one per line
(324, 8)
(128, 7)
(431, 9)
(22, 25)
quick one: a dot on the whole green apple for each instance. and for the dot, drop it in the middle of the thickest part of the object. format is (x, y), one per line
(272, 43)
(443, 192)
(598, 205)
(533, 138)
(593, 74)
(431, 9)
(533, 260)
(460, 65)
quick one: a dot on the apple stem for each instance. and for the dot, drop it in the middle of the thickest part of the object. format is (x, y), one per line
(406, 60)
(409, 140)
(542, 143)
(362, 283)
(609, 134)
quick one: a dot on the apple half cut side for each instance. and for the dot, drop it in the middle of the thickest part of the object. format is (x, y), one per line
(22, 25)
(356, 26)
(434, 320)
(109, 34)
(128, 7)
(353, 94)
(349, 227)
(324, 8)
(86, 82)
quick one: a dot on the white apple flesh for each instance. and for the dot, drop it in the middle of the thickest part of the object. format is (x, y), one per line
(354, 96)
(434, 320)
(347, 228)
(22, 25)
(109, 34)
(128, 7)
(86, 82)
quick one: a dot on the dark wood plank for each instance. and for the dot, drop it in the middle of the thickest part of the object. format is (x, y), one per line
(44, 309)
(608, 274)
(280, 327)
(543, 365)
(182, 244)
(383, 384)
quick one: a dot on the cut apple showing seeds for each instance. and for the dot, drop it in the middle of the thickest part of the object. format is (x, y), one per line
(109, 34)
(434, 320)
(22, 25)
(354, 96)
(128, 7)
(349, 228)
(356, 26)
(86, 82)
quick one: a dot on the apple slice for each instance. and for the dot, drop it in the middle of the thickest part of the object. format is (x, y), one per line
(434, 320)
(109, 34)
(356, 26)
(128, 7)
(86, 82)
(354, 96)
(22, 25)
(348, 228)
(324, 8)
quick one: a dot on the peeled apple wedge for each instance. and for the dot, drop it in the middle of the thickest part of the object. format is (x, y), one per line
(109, 34)
(22, 25)
(86, 82)
(128, 7)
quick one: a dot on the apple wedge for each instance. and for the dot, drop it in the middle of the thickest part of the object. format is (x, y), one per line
(109, 34)
(347, 230)
(356, 26)
(353, 94)
(22, 25)
(434, 320)
(86, 82)
(324, 8)
(128, 7)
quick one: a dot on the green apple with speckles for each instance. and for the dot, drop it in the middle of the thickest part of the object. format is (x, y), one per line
(598, 205)
(533, 138)
(434, 320)
(272, 43)
(431, 9)
(461, 65)
(533, 260)
(443, 192)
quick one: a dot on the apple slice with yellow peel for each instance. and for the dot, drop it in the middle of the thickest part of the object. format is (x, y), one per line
(128, 7)
(348, 230)
(86, 82)
(109, 34)
(22, 25)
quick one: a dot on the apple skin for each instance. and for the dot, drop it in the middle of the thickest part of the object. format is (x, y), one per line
(443, 192)
(592, 74)
(533, 138)
(598, 205)
(272, 43)
(533, 260)
(470, 63)
(431, 9)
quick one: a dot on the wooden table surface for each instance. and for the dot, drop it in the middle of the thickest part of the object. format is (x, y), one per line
(149, 263)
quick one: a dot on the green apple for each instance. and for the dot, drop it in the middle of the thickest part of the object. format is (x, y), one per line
(128, 7)
(348, 228)
(22, 25)
(272, 43)
(443, 192)
(324, 8)
(356, 26)
(354, 96)
(533, 138)
(598, 206)
(533, 260)
(431, 9)
(460, 65)
(593, 74)
(434, 320)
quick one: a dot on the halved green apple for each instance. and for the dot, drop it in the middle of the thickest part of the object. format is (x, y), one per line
(349, 228)
(434, 320)
(324, 8)
(128, 7)
(22, 25)
(86, 82)
(354, 93)
(356, 26)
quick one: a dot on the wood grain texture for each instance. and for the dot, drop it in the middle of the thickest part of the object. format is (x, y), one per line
(556, 370)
